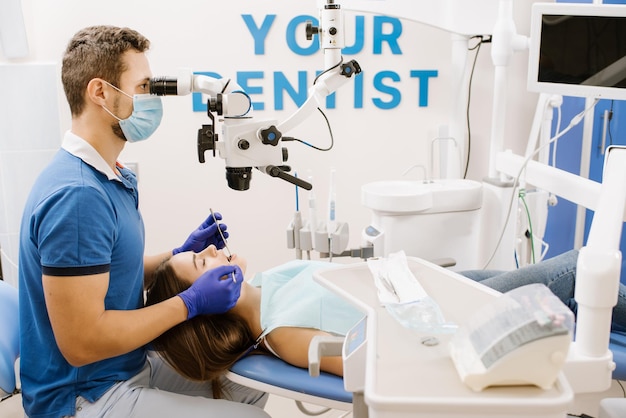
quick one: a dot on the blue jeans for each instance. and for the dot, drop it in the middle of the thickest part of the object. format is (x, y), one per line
(557, 273)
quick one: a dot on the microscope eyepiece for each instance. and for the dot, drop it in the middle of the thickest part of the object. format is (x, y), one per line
(164, 86)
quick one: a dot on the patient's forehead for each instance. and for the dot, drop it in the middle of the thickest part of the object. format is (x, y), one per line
(184, 266)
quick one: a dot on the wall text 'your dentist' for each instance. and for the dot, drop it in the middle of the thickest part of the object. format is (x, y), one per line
(389, 85)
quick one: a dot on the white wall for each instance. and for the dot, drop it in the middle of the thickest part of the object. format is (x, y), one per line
(29, 136)
(370, 143)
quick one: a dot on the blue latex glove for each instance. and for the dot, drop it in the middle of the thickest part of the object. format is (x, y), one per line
(213, 292)
(205, 235)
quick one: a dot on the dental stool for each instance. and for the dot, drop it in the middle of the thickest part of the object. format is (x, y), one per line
(9, 342)
(272, 375)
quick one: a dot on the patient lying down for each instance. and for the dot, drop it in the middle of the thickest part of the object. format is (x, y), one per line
(283, 309)
(280, 317)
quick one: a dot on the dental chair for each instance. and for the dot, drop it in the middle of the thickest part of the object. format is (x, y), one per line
(9, 341)
(272, 375)
(263, 372)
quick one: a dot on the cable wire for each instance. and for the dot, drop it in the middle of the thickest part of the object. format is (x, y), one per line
(522, 197)
(469, 95)
(558, 129)
(575, 121)
(621, 386)
(330, 129)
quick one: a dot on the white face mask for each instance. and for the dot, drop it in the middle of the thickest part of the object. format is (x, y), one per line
(145, 119)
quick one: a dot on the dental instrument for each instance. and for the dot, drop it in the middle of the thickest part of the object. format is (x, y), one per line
(229, 255)
(295, 227)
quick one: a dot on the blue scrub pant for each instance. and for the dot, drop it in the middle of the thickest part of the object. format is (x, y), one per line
(158, 391)
(557, 273)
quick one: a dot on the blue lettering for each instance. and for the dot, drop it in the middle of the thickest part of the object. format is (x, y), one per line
(359, 37)
(331, 101)
(390, 38)
(388, 83)
(291, 37)
(423, 76)
(383, 88)
(243, 78)
(358, 91)
(281, 84)
(259, 34)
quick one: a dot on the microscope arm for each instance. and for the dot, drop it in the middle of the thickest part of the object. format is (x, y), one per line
(336, 73)
(327, 83)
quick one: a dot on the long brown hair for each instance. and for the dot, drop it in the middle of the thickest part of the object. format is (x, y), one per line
(204, 347)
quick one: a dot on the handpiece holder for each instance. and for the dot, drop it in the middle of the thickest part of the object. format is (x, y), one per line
(304, 237)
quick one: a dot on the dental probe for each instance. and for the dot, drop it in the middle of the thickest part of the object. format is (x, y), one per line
(229, 256)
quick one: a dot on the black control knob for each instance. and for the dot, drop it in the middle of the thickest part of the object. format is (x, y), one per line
(311, 30)
(270, 135)
(243, 144)
(350, 68)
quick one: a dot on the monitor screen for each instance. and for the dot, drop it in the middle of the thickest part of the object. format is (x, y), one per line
(578, 50)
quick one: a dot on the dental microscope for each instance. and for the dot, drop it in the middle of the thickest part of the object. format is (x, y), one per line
(244, 142)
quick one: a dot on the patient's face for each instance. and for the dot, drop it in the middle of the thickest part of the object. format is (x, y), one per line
(189, 265)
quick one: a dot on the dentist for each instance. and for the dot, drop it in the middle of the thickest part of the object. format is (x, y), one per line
(82, 271)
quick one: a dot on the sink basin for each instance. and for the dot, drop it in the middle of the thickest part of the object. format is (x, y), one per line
(402, 196)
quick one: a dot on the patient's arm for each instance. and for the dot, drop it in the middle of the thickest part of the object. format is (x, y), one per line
(292, 345)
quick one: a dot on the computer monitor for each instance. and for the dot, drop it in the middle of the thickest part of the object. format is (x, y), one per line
(578, 50)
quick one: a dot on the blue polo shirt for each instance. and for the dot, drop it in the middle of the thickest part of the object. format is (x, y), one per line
(80, 219)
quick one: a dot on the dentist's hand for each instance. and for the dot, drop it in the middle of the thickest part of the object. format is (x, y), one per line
(205, 235)
(213, 292)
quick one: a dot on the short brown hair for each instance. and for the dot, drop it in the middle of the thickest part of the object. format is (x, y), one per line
(96, 52)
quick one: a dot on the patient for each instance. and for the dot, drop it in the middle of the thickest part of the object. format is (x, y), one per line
(282, 320)
(292, 309)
